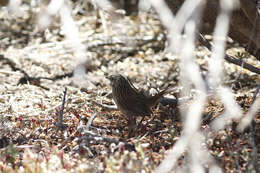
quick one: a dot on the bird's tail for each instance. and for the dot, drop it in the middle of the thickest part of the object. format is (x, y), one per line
(152, 100)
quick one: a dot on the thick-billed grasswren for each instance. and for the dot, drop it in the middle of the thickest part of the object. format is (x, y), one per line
(131, 101)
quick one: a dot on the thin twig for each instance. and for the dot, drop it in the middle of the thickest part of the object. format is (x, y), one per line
(254, 152)
(9, 72)
(113, 107)
(60, 121)
(255, 94)
(229, 58)
(150, 120)
(26, 78)
(90, 121)
(90, 136)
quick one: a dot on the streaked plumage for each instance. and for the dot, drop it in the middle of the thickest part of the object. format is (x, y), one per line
(131, 101)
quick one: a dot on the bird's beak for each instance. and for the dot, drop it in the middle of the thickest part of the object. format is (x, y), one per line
(109, 77)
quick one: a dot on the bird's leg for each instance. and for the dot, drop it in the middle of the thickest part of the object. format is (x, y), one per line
(132, 125)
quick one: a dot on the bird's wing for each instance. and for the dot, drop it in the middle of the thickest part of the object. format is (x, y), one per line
(136, 103)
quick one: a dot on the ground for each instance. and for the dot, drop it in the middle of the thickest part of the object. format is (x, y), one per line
(36, 67)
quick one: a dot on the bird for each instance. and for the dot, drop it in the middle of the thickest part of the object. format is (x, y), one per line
(130, 101)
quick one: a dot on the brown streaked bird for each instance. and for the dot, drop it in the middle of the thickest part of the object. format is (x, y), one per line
(131, 101)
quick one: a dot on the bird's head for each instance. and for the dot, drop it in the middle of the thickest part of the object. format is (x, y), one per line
(116, 79)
